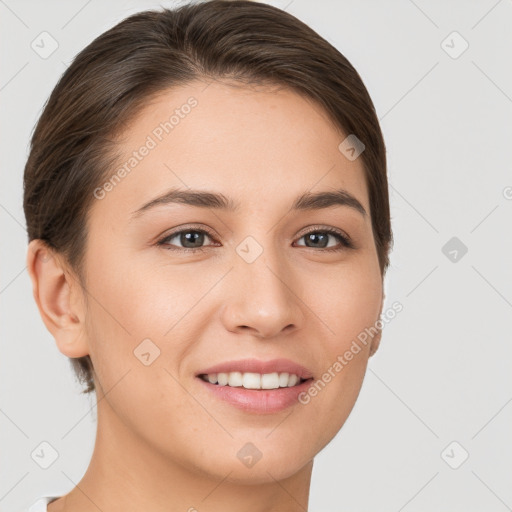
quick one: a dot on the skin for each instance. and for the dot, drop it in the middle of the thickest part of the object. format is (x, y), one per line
(163, 442)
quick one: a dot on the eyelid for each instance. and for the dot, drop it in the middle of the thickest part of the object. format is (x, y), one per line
(346, 241)
(328, 229)
(178, 230)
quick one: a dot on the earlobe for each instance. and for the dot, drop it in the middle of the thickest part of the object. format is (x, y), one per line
(57, 295)
(375, 343)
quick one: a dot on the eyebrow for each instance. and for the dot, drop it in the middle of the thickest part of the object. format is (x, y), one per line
(204, 199)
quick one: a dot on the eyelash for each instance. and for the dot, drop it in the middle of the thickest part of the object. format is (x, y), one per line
(345, 241)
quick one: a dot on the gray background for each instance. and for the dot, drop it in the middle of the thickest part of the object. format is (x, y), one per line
(442, 373)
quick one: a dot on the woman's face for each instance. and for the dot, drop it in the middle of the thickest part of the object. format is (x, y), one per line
(258, 288)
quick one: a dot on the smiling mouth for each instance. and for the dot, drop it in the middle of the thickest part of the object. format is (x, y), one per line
(254, 381)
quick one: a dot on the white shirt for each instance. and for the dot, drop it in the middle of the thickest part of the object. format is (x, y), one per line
(40, 505)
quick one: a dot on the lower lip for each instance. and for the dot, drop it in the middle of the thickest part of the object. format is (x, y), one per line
(263, 401)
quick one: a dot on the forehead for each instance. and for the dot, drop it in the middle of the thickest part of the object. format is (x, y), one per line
(250, 143)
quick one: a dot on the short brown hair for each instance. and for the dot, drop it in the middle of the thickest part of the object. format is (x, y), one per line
(73, 148)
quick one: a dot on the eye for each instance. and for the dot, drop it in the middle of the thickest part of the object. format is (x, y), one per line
(191, 239)
(319, 238)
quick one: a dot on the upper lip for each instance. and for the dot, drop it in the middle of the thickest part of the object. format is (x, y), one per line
(259, 366)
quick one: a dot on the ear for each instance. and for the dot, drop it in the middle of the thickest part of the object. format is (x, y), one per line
(377, 337)
(375, 343)
(59, 298)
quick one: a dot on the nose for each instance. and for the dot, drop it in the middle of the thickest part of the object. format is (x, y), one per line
(264, 299)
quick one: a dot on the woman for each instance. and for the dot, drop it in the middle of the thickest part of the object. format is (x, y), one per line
(207, 207)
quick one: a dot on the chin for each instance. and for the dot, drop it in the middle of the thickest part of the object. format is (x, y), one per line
(255, 463)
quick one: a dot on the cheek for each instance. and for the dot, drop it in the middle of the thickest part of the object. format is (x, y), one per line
(129, 319)
(121, 313)
(141, 313)
(347, 301)
(131, 299)
(348, 305)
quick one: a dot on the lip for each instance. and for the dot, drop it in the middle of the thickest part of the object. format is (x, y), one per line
(256, 401)
(259, 366)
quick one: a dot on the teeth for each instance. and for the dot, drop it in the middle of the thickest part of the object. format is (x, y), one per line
(283, 380)
(235, 379)
(271, 381)
(222, 379)
(251, 380)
